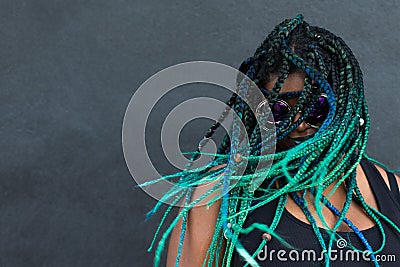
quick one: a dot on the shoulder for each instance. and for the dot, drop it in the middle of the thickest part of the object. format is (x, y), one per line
(207, 187)
(217, 167)
(364, 185)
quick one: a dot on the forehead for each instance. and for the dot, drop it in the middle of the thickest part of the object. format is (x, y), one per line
(294, 82)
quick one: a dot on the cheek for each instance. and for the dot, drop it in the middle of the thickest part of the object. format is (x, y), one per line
(292, 102)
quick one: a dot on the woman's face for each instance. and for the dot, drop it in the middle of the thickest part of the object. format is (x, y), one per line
(294, 82)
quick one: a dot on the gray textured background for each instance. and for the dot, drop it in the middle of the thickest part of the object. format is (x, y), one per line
(68, 70)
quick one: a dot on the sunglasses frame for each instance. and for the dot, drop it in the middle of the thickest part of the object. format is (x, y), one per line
(289, 109)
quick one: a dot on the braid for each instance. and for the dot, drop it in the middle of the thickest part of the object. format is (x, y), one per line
(329, 157)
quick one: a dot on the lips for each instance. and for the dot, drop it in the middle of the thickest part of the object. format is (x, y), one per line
(290, 142)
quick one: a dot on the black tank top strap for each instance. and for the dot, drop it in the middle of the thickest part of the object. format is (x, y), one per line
(394, 187)
(383, 195)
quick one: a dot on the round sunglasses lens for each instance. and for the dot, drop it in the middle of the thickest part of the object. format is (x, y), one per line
(280, 111)
(319, 113)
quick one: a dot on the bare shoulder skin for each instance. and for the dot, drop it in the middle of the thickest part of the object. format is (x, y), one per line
(200, 229)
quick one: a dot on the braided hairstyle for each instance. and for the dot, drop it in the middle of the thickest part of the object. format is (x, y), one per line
(329, 156)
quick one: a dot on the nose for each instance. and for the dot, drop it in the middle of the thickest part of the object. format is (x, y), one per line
(303, 129)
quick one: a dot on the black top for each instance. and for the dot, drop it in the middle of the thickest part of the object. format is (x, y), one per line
(301, 235)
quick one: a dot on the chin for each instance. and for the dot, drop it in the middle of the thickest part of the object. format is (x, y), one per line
(288, 142)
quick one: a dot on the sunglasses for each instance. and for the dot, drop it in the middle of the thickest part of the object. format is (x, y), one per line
(319, 111)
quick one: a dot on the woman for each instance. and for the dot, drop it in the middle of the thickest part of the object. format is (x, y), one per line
(323, 202)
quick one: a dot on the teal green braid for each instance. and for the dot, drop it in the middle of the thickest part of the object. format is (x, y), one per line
(330, 156)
